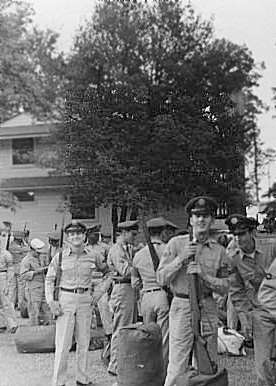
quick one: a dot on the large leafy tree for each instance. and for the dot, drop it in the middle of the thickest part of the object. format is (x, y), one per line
(151, 113)
(31, 69)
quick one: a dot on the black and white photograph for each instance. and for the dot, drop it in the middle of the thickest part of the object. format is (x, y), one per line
(137, 193)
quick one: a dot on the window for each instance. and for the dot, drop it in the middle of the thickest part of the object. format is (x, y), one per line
(22, 151)
(24, 196)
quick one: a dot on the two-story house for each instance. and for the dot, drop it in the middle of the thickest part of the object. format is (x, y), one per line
(39, 194)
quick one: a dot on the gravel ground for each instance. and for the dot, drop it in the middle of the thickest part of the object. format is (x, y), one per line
(17, 369)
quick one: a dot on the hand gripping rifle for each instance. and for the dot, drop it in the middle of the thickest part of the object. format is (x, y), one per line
(204, 363)
(59, 271)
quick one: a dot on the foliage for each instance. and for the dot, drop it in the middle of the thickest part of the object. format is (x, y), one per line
(31, 70)
(151, 114)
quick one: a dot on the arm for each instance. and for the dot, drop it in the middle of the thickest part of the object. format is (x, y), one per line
(120, 263)
(169, 265)
(50, 280)
(26, 271)
(10, 268)
(221, 283)
(136, 281)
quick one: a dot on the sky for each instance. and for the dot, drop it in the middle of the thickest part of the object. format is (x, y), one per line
(250, 22)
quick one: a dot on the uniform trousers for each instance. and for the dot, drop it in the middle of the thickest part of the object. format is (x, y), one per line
(76, 318)
(6, 310)
(36, 303)
(182, 338)
(106, 314)
(264, 327)
(13, 290)
(155, 308)
(123, 305)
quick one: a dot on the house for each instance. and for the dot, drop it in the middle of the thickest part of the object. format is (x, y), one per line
(40, 195)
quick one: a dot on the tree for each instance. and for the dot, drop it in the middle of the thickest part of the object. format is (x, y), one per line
(152, 116)
(31, 70)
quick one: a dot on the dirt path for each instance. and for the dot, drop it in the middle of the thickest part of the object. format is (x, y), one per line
(18, 369)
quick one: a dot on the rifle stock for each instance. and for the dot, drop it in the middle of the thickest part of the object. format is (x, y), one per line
(204, 362)
(153, 253)
(58, 274)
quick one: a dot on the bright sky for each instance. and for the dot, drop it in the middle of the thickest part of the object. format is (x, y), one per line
(250, 22)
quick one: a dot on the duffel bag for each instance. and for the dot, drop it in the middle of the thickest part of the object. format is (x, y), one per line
(193, 378)
(35, 339)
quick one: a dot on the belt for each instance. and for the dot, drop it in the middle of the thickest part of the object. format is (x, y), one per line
(4, 270)
(74, 290)
(122, 281)
(182, 296)
(152, 290)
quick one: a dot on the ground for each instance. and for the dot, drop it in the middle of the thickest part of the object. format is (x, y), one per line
(18, 369)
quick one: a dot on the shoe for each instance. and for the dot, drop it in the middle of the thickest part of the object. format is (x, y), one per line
(112, 373)
(13, 330)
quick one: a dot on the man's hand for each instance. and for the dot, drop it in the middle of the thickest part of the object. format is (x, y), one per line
(40, 270)
(6, 290)
(188, 252)
(194, 268)
(55, 308)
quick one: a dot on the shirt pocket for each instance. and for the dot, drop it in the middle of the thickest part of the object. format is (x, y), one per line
(86, 268)
(68, 270)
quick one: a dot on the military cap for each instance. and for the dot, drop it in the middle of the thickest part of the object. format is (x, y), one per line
(129, 225)
(19, 235)
(54, 235)
(157, 222)
(160, 222)
(202, 205)
(75, 225)
(94, 228)
(170, 224)
(37, 244)
(239, 223)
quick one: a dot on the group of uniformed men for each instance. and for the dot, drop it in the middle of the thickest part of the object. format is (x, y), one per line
(245, 271)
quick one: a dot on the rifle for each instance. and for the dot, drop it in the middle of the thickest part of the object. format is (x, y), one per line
(153, 253)
(205, 365)
(154, 257)
(59, 271)
(8, 242)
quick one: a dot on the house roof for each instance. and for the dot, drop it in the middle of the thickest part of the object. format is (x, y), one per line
(25, 125)
(35, 183)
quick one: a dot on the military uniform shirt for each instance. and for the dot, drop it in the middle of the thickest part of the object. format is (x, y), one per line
(6, 260)
(119, 259)
(212, 259)
(77, 271)
(250, 271)
(28, 267)
(143, 269)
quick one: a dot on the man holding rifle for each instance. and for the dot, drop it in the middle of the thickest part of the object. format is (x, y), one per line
(68, 290)
(154, 305)
(204, 257)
